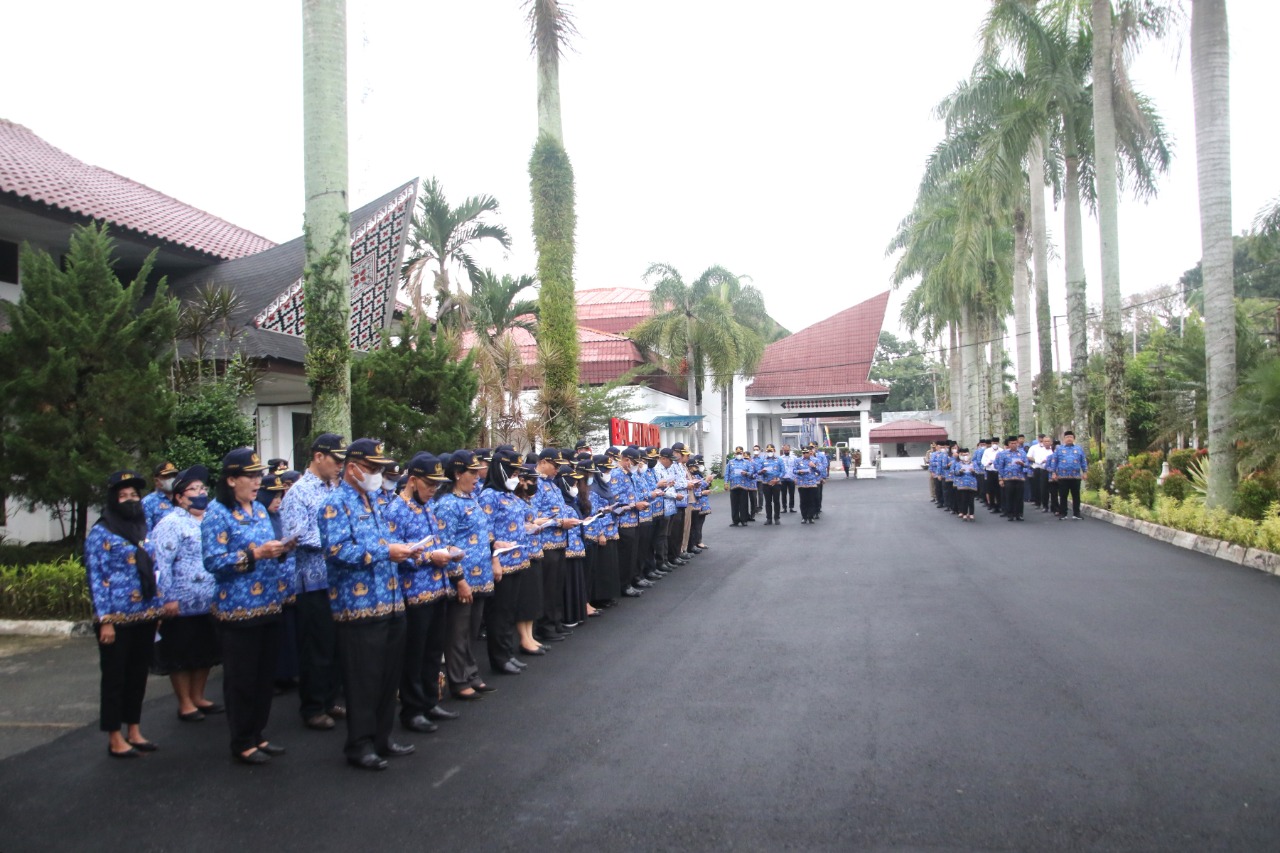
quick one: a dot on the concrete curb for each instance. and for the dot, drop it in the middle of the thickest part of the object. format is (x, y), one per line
(1252, 558)
(44, 628)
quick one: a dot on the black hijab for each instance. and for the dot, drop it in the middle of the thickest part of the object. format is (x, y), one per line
(134, 531)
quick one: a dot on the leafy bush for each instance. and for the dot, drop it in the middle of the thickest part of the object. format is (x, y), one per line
(1148, 461)
(209, 424)
(1122, 483)
(1269, 529)
(1253, 496)
(1180, 460)
(1095, 477)
(13, 554)
(1176, 486)
(55, 590)
(1143, 485)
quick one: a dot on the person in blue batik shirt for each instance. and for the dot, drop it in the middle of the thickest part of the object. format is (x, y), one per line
(507, 518)
(188, 646)
(1013, 468)
(465, 527)
(549, 508)
(964, 478)
(808, 475)
(770, 474)
(1070, 464)
(367, 605)
(241, 552)
(422, 583)
(159, 503)
(319, 677)
(119, 565)
(738, 473)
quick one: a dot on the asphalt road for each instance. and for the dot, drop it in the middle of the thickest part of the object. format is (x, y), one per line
(888, 679)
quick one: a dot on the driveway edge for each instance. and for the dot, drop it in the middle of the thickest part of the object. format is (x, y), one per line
(1253, 558)
(44, 628)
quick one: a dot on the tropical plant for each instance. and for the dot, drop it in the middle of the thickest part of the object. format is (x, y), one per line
(1257, 416)
(1176, 486)
(1253, 495)
(443, 237)
(208, 424)
(327, 272)
(54, 590)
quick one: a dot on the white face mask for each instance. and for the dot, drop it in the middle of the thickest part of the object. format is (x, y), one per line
(964, 458)
(371, 482)
(511, 483)
(166, 485)
(769, 454)
(573, 491)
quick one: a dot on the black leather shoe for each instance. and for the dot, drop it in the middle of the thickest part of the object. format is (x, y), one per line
(655, 576)
(483, 688)
(537, 653)
(689, 555)
(257, 757)
(438, 713)
(508, 668)
(549, 638)
(518, 663)
(419, 724)
(468, 697)
(143, 745)
(368, 762)
(214, 708)
(642, 584)
(680, 561)
(397, 750)
(131, 752)
(195, 716)
(632, 592)
(271, 749)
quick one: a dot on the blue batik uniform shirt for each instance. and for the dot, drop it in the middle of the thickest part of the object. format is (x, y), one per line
(180, 574)
(363, 582)
(1070, 461)
(156, 505)
(465, 526)
(111, 566)
(247, 589)
(408, 521)
(300, 517)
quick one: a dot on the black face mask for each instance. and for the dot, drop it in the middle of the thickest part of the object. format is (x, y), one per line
(132, 510)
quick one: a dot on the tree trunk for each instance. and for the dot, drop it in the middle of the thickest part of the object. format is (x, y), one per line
(1077, 292)
(1210, 79)
(957, 381)
(327, 274)
(969, 337)
(995, 388)
(692, 381)
(1022, 324)
(549, 95)
(1040, 267)
(1104, 156)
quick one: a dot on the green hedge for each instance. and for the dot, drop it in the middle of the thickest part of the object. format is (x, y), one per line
(53, 590)
(38, 552)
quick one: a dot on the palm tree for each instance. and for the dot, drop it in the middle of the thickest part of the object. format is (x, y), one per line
(1210, 76)
(493, 310)
(494, 307)
(695, 330)
(443, 237)
(745, 305)
(554, 222)
(327, 274)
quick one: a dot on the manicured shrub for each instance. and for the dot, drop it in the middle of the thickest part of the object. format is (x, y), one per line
(1123, 480)
(1180, 459)
(1253, 496)
(1176, 486)
(1094, 478)
(55, 590)
(1143, 487)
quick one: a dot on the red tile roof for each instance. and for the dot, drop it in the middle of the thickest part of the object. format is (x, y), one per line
(616, 310)
(602, 357)
(830, 357)
(33, 169)
(906, 431)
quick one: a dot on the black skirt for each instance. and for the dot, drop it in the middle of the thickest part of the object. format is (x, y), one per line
(602, 571)
(577, 590)
(529, 602)
(187, 643)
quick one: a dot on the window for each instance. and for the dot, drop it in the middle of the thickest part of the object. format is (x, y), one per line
(8, 262)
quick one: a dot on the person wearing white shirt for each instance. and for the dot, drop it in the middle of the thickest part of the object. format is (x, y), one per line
(993, 478)
(1038, 453)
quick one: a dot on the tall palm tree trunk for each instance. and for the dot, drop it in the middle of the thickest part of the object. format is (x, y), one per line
(1210, 80)
(1022, 323)
(1040, 268)
(957, 380)
(995, 386)
(1104, 155)
(970, 367)
(327, 274)
(1077, 294)
(692, 388)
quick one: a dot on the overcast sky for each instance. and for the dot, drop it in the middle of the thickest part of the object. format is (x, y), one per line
(783, 141)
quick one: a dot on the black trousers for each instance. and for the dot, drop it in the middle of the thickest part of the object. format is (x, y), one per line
(371, 652)
(419, 671)
(1069, 486)
(552, 591)
(808, 502)
(772, 502)
(124, 664)
(821, 483)
(939, 492)
(319, 676)
(628, 542)
(964, 501)
(789, 495)
(1013, 497)
(644, 547)
(994, 496)
(1055, 497)
(658, 547)
(464, 622)
(1041, 487)
(249, 655)
(675, 534)
(754, 496)
(500, 619)
(738, 505)
(695, 536)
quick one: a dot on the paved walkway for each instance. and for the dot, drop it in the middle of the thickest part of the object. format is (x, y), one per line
(888, 679)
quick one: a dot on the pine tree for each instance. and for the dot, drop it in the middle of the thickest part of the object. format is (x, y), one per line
(83, 375)
(414, 395)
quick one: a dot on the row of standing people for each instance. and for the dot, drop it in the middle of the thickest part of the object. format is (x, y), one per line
(772, 480)
(1002, 477)
(380, 584)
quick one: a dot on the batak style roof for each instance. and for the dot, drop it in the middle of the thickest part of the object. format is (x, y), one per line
(831, 357)
(906, 432)
(32, 169)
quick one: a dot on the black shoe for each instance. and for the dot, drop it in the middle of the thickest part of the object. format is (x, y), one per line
(564, 631)
(680, 561)
(549, 638)
(131, 752)
(507, 668)
(689, 555)
(255, 758)
(212, 709)
(632, 592)
(271, 749)
(537, 653)
(654, 576)
(642, 584)
(368, 762)
(768, 522)
(567, 627)
(419, 724)
(483, 688)
(397, 750)
(519, 663)
(438, 713)
(196, 716)
(473, 696)
(320, 722)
